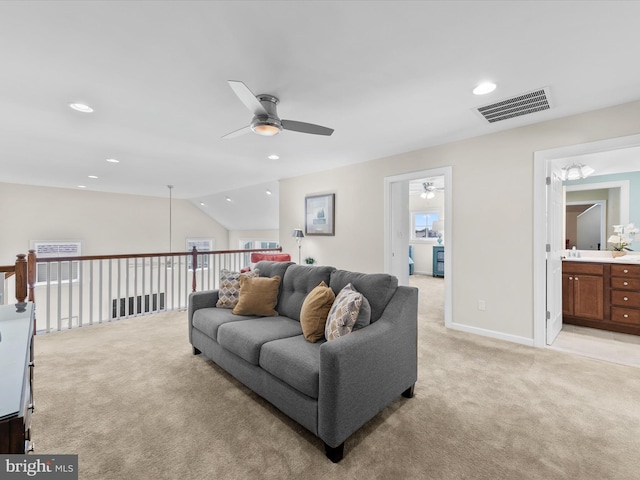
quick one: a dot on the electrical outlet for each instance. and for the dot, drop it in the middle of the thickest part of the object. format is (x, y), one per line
(482, 305)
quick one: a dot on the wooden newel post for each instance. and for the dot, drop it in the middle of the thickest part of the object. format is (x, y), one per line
(31, 274)
(194, 265)
(21, 277)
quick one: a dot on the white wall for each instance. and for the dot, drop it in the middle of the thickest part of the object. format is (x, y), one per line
(106, 223)
(492, 187)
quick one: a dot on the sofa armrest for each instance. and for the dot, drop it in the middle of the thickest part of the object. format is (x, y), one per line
(363, 372)
(198, 300)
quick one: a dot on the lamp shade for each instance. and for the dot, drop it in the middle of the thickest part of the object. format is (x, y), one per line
(297, 233)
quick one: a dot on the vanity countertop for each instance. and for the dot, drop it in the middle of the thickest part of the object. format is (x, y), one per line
(601, 257)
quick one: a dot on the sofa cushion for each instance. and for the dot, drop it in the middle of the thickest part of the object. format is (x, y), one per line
(314, 312)
(246, 337)
(273, 269)
(343, 313)
(230, 287)
(258, 296)
(298, 281)
(378, 288)
(208, 320)
(295, 361)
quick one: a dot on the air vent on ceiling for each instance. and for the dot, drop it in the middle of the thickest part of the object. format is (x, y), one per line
(516, 106)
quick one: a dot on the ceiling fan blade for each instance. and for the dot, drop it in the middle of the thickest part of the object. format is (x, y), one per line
(237, 133)
(306, 127)
(247, 97)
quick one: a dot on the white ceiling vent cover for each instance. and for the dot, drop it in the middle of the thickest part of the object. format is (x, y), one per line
(524, 104)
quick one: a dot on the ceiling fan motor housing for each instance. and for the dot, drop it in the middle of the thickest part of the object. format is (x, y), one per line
(269, 124)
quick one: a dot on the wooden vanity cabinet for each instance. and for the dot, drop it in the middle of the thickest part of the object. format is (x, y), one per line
(625, 296)
(601, 295)
(583, 291)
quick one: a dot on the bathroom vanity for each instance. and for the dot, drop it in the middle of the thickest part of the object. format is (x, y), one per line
(601, 292)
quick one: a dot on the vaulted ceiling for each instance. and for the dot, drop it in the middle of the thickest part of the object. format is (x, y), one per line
(388, 76)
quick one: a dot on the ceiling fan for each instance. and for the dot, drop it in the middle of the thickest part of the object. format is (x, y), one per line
(429, 190)
(265, 115)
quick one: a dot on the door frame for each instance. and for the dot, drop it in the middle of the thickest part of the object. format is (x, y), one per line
(543, 160)
(389, 207)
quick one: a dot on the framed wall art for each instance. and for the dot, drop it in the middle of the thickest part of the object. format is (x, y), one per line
(320, 218)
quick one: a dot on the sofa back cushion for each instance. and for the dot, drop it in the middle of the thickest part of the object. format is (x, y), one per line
(298, 281)
(268, 268)
(377, 288)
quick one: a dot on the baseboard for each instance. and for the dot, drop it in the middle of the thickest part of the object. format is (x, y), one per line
(493, 334)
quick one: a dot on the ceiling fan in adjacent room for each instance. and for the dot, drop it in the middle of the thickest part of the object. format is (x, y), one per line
(265, 115)
(429, 190)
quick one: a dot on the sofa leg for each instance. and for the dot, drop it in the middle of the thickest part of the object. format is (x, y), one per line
(335, 454)
(408, 393)
(196, 351)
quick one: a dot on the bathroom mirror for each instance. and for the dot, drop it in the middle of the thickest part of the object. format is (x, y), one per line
(591, 210)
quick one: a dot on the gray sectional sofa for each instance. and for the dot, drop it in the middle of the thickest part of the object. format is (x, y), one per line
(331, 388)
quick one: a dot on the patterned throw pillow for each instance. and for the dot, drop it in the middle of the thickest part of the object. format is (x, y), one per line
(230, 287)
(344, 313)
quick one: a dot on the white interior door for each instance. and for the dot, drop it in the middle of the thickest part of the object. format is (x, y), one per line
(555, 221)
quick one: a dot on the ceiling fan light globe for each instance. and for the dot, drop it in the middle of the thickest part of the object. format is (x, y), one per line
(266, 130)
(430, 195)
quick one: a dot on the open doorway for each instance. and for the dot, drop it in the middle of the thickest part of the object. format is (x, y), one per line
(423, 227)
(547, 251)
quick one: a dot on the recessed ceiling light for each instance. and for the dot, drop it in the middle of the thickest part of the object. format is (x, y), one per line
(484, 88)
(81, 107)
(82, 186)
(92, 176)
(268, 192)
(273, 157)
(228, 199)
(112, 160)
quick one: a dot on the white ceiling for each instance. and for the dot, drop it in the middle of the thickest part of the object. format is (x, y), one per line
(389, 77)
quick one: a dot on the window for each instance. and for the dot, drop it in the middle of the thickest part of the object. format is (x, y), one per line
(202, 245)
(426, 225)
(65, 270)
(257, 244)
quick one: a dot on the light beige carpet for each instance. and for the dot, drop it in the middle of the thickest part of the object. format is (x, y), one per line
(134, 403)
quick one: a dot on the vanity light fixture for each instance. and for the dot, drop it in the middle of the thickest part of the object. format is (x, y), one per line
(81, 107)
(484, 88)
(576, 172)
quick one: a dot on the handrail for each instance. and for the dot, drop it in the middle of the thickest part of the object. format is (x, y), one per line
(21, 270)
(154, 255)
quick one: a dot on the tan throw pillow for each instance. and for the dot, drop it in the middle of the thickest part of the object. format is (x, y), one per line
(315, 308)
(230, 287)
(343, 313)
(258, 296)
